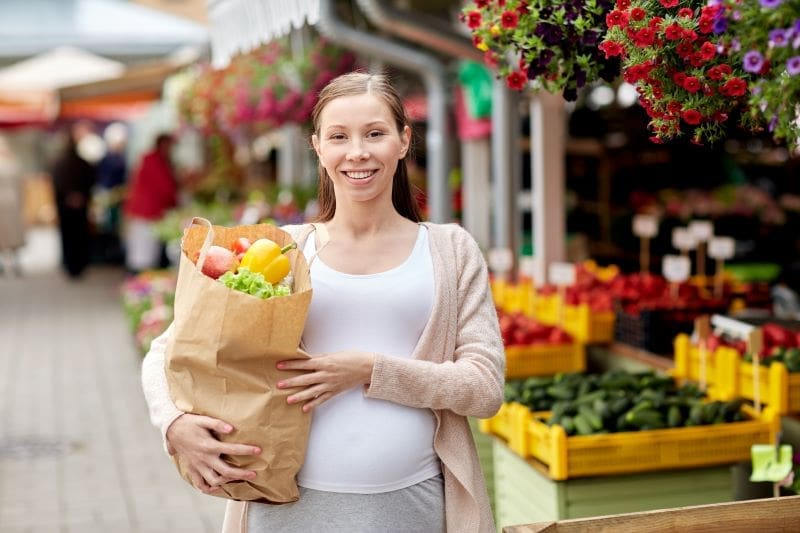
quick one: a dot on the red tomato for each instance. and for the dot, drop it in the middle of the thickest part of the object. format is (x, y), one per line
(240, 245)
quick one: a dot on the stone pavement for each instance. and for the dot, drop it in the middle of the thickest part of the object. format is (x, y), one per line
(77, 451)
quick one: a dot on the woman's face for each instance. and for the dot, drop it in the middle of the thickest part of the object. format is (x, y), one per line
(359, 146)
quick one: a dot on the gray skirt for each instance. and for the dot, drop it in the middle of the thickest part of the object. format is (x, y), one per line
(418, 509)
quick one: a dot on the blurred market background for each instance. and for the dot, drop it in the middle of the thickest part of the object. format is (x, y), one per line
(594, 186)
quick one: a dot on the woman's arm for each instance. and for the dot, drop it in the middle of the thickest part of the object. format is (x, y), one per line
(163, 411)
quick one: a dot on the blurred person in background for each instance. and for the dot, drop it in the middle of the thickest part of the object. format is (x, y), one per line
(12, 225)
(112, 173)
(152, 192)
(73, 178)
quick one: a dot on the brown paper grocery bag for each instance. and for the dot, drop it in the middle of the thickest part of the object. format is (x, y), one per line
(221, 357)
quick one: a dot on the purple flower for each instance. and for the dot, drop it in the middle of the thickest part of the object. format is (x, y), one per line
(779, 37)
(753, 61)
(720, 25)
(770, 3)
(773, 123)
(793, 65)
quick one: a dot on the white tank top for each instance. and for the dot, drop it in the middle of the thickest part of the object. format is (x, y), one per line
(359, 444)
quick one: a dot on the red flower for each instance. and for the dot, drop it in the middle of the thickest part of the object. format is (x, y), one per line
(655, 139)
(481, 3)
(690, 35)
(719, 116)
(708, 51)
(691, 84)
(734, 87)
(679, 78)
(509, 19)
(490, 59)
(517, 80)
(684, 49)
(669, 3)
(714, 73)
(474, 19)
(522, 8)
(673, 32)
(725, 69)
(692, 117)
(655, 23)
(623, 4)
(644, 37)
(637, 13)
(705, 24)
(686, 12)
(617, 18)
(674, 107)
(611, 49)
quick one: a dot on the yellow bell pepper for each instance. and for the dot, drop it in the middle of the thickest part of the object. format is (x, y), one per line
(267, 257)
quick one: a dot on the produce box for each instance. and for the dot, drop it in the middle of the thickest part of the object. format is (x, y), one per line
(544, 359)
(580, 321)
(620, 422)
(777, 387)
(524, 494)
(654, 330)
(641, 451)
(689, 360)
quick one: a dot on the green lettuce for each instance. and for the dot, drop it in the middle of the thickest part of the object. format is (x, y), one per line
(253, 283)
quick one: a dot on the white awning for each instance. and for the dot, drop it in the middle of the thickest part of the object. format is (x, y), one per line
(238, 26)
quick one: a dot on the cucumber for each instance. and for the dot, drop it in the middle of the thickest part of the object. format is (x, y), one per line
(560, 392)
(590, 416)
(674, 416)
(645, 417)
(582, 425)
(568, 423)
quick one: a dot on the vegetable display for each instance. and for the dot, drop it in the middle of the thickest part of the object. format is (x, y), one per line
(616, 401)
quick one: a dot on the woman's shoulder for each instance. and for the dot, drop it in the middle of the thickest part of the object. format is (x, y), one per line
(296, 230)
(451, 233)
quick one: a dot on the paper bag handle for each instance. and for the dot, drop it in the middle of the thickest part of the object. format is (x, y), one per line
(200, 221)
(324, 239)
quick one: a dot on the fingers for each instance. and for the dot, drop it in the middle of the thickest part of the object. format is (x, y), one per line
(227, 473)
(316, 401)
(213, 424)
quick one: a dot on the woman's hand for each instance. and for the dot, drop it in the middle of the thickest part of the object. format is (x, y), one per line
(192, 438)
(326, 376)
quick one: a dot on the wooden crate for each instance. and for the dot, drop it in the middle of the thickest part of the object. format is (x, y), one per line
(524, 493)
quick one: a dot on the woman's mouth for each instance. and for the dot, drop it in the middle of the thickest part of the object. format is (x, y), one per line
(359, 174)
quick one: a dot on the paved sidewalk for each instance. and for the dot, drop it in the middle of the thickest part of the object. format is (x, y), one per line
(77, 451)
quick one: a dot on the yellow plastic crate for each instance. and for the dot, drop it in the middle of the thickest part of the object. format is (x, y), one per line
(579, 321)
(513, 297)
(720, 367)
(509, 423)
(776, 386)
(544, 360)
(644, 451)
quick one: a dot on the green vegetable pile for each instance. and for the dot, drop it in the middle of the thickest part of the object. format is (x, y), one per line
(253, 283)
(788, 356)
(616, 401)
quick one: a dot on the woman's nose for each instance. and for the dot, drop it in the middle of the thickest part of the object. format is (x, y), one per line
(357, 152)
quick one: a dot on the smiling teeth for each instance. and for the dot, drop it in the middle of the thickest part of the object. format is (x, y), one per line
(360, 175)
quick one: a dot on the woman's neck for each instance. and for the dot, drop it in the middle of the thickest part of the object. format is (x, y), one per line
(366, 222)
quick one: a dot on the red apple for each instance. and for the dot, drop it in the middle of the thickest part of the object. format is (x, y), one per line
(218, 261)
(240, 245)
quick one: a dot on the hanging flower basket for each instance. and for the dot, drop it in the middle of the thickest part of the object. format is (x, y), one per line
(764, 36)
(264, 89)
(551, 43)
(687, 79)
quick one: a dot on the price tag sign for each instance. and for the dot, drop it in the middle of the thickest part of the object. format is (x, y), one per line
(676, 268)
(500, 260)
(561, 274)
(722, 248)
(683, 239)
(527, 264)
(645, 226)
(703, 230)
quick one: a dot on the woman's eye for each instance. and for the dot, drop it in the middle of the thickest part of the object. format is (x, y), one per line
(337, 136)
(375, 133)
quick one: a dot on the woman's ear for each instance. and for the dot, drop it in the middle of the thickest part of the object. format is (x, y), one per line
(405, 139)
(315, 143)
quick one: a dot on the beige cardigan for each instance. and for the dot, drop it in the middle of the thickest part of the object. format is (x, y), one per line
(457, 370)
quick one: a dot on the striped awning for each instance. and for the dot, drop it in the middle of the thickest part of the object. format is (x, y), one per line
(238, 26)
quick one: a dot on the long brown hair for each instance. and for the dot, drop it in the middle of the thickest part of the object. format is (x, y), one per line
(351, 84)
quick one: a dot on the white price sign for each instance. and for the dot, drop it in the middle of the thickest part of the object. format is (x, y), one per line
(683, 239)
(676, 268)
(527, 264)
(561, 274)
(702, 230)
(645, 226)
(501, 260)
(722, 248)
